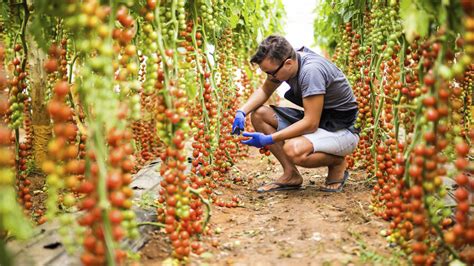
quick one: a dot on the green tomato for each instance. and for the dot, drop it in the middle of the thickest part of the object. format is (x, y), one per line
(185, 201)
(63, 231)
(147, 28)
(446, 212)
(445, 72)
(69, 200)
(185, 214)
(125, 224)
(7, 177)
(429, 199)
(70, 249)
(82, 20)
(14, 107)
(134, 233)
(53, 180)
(153, 46)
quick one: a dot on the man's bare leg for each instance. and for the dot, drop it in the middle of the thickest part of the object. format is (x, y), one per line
(264, 120)
(300, 152)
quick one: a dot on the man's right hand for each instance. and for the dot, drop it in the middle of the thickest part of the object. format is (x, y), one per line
(239, 122)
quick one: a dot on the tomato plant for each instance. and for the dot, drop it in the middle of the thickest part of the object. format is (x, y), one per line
(131, 82)
(12, 218)
(410, 73)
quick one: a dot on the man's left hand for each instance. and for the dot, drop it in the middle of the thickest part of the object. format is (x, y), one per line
(258, 139)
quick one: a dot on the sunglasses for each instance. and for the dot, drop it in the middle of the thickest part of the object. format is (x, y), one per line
(273, 73)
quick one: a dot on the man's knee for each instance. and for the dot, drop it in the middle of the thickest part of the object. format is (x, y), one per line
(294, 152)
(258, 115)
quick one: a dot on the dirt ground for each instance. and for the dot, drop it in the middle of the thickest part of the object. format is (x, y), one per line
(303, 227)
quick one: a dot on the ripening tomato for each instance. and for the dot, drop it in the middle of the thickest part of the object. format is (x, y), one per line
(117, 198)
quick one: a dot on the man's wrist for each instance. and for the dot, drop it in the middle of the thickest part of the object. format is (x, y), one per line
(269, 140)
(242, 112)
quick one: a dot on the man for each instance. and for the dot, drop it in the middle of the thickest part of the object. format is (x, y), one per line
(321, 135)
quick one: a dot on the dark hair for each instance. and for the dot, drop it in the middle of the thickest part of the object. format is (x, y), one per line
(274, 47)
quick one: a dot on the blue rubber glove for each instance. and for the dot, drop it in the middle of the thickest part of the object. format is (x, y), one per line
(239, 122)
(258, 139)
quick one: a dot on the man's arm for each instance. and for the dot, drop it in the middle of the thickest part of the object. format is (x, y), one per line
(260, 96)
(313, 107)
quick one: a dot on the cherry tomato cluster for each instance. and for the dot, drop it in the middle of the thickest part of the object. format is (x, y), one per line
(119, 177)
(11, 215)
(137, 65)
(65, 164)
(265, 150)
(126, 68)
(180, 211)
(222, 163)
(19, 115)
(57, 61)
(17, 93)
(63, 168)
(63, 146)
(148, 147)
(121, 219)
(203, 114)
(94, 237)
(415, 118)
(362, 89)
(176, 196)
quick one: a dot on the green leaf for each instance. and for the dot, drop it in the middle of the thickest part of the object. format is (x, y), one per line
(41, 29)
(415, 21)
(349, 14)
(443, 15)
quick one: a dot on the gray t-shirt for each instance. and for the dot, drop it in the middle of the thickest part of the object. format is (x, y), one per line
(317, 75)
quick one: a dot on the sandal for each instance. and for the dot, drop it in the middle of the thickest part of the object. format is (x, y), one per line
(279, 187)
(340, 187)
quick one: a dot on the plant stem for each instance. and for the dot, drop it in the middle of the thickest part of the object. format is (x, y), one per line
(399, 96)
(206, 203)
(200, 70)
(100, 148)
(416, 136)
(5, 258)
(152, 223)
(23, 32)
(71, 65)
(439, 232)
(376, 127)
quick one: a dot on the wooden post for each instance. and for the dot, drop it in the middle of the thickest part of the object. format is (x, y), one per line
(41, 122)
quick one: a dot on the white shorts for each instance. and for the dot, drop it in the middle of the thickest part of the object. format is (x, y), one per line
(340, 143)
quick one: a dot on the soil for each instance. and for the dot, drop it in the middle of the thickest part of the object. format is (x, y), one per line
(302, 227)
(39, 196)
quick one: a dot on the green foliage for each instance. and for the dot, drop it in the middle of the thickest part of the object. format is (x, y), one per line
(330, 15)
(9, 22)
(424, 16)
(416, 18)
(46, 20)
(42, 31)
(13, 219)
(254, 20)
(325, 25)
(419, 18)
